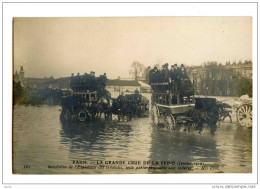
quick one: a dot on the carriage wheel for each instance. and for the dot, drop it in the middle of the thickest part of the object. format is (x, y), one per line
(244, 115)
(155, 114)
(170, 121)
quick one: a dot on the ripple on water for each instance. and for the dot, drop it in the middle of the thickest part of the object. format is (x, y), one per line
(40, 138)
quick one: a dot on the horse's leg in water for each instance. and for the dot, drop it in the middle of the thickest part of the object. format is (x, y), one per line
(200, 125)
(224, 117)
(93, 110)
(230, 117)
(105, 114)
(191, 124)
(119, 116)
(213, 128)
(187, 126)
(227, 115)
(101, 110)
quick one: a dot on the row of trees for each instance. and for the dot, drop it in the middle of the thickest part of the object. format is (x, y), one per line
(27, 96)
(211, 78)
(19, 93)
(140, 72)
(216, 79)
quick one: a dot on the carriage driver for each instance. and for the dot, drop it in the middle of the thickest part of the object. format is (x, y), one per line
(173, 72)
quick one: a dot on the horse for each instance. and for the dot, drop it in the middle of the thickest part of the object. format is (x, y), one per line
(106, 107)
(223, 113)
(97, 109)
(122, 107)
(200, 117)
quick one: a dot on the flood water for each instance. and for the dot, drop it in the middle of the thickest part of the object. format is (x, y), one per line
(42, 144)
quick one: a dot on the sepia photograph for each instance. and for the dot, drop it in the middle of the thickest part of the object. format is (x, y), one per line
(132, 95)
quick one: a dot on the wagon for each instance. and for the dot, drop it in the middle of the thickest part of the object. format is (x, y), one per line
(169, 105)
(243, 107)
(174, 104)
(127, 106)
(174, 110)
(86, 100)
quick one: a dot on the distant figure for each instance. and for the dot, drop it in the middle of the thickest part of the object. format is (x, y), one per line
(164, 73)
(183, 72)
(121, 96)
(147, 73)
(137, 96)
(153, 75)
(92, 74)
(178, 74)
(173, 72)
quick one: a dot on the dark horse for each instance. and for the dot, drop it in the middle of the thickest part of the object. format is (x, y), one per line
(106, 108)
(199, 117)
(99, 107)
(122, 108)
(96, 109)
(224, 111)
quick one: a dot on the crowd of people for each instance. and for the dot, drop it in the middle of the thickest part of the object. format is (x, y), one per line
(175, 73)
(134, 103)
(87, 81)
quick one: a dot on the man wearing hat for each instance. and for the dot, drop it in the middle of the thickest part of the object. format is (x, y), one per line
(173, 73)
(165, 72)
(153, 75)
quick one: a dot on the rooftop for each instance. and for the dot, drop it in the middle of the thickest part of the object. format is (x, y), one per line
(117, 82)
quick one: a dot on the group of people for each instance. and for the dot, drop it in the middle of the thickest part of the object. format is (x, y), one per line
(131, 98)
(132, 103)
(175, 73)
(87, 81)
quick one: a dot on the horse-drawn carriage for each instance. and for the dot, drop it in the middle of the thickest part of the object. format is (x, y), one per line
(174, 104)
(127, 106)
(88, 99)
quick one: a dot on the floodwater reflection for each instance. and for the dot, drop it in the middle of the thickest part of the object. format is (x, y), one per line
(41, 139)
(96, 139)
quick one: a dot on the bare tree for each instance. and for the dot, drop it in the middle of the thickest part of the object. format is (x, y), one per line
(145, 73)
(137, 69)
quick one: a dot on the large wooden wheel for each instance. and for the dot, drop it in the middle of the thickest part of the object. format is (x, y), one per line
(170, 122)
(244, 115)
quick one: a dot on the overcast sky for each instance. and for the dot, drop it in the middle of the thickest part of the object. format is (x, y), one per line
(61, 46)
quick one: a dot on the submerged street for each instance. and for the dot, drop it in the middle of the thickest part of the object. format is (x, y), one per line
(49, 146)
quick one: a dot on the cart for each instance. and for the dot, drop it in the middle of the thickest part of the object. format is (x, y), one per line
(86, 100)
(173, 102)
(243, 108)
(170, 104)
(127, 106)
